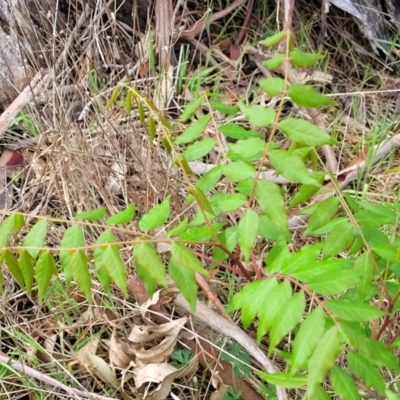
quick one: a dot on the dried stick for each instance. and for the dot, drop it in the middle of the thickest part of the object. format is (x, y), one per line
(24, 98)
(48, 380)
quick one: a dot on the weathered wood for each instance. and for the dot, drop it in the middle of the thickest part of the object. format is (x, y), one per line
(373, 18)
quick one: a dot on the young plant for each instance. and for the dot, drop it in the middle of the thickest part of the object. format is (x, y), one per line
(336, 298)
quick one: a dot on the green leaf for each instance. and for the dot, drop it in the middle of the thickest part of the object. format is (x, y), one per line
(35, 238)
(228, 202)
(307, 96)
(322, 359)
(201, 233)
(246, 150)
(343, 384)
(80, 272)
(376, 351)
(324, 212)
(185, 280)
(115, 267)
(319, 394)
(304, 132)
(101, 271)
(94, 215)
(272, 305)
(72, 238)
(339, 239)
(199, 149)
(45, 268)
(247, 233)
(250, 299)
(13, 266)
(365, 266)
(238, 132)
(156, 217)
(307, 191)
(277, 255)
(224, 108)
(362, 368)
(274, 39)
(302, 59)
(391, 395)
(275, 61)
(272, 86)
(25, 262)
(307, 338)
(238, 171)
(380, 355)
(268, 229)
(257, 115)
(201, 199)
(193, 131)
(122, 217)
(287, 318)
(186, 258)
(9, 226)
(353, 310)
(207, 182)
(270, 199)
(284, 380)
(387, 251)
(333, 283)
(180, 228)
(145, 255)
(292, 167)
(190, 109)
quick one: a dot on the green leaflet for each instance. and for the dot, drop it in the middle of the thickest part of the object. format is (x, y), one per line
(247, 232)
(35, 238)
(45, 269)
(292, 167)
(190, 109)
(238, 132)
(307, 338)
(199, 149)
(186, 258)
(361, 367)
(344, 384)
(101, 271)
(73, 238)
(93, 215)
(250, 299)
(194, 130)
(115, 267)
(322, 359)
(272, 304)
(272, 86)
(306, 96)
(185, 279)
(123, 216)
(304, 132)
(353, 310)
(286, 319)
(146, 256)
(257, 115)
(80, 272)
(323, 213)
(156, 217)
(238, 171)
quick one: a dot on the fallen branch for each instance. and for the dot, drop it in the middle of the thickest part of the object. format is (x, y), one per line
(75, 393)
